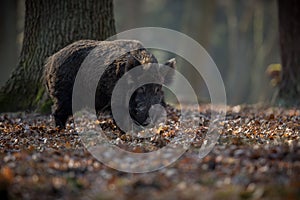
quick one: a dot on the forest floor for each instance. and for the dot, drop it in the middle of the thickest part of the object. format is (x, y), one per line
(257, 157)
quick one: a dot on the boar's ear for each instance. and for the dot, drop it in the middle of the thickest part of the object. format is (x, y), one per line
(168, 73)
(131, 63)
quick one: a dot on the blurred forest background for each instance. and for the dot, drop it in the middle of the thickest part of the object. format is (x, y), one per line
(241, 37)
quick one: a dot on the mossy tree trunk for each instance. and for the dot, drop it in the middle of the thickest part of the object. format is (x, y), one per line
(49, 26)
(289, 33)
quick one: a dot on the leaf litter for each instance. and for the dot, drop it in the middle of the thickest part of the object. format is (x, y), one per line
(257, 157)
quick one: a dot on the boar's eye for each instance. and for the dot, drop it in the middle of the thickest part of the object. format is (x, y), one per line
(157, 90)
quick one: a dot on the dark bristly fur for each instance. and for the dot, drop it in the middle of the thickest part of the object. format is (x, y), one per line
(62, 67)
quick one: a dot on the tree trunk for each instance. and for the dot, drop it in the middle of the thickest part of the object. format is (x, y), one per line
(49, 26)
(289, 35)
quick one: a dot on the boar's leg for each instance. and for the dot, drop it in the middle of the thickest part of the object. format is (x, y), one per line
(60, 120)
(62, 111)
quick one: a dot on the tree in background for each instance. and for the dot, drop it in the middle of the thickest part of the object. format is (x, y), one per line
(289, 31)
(49, 26)
(8, 36)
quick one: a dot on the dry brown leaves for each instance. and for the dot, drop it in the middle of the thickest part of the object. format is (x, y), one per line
(257, 157)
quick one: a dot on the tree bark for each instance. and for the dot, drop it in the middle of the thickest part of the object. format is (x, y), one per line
(49, 26)
(289, 35)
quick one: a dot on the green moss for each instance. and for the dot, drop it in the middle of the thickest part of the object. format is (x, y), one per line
(42, 103)
(45, 107)
(35, 99)
(246, 195)
(40, 94)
